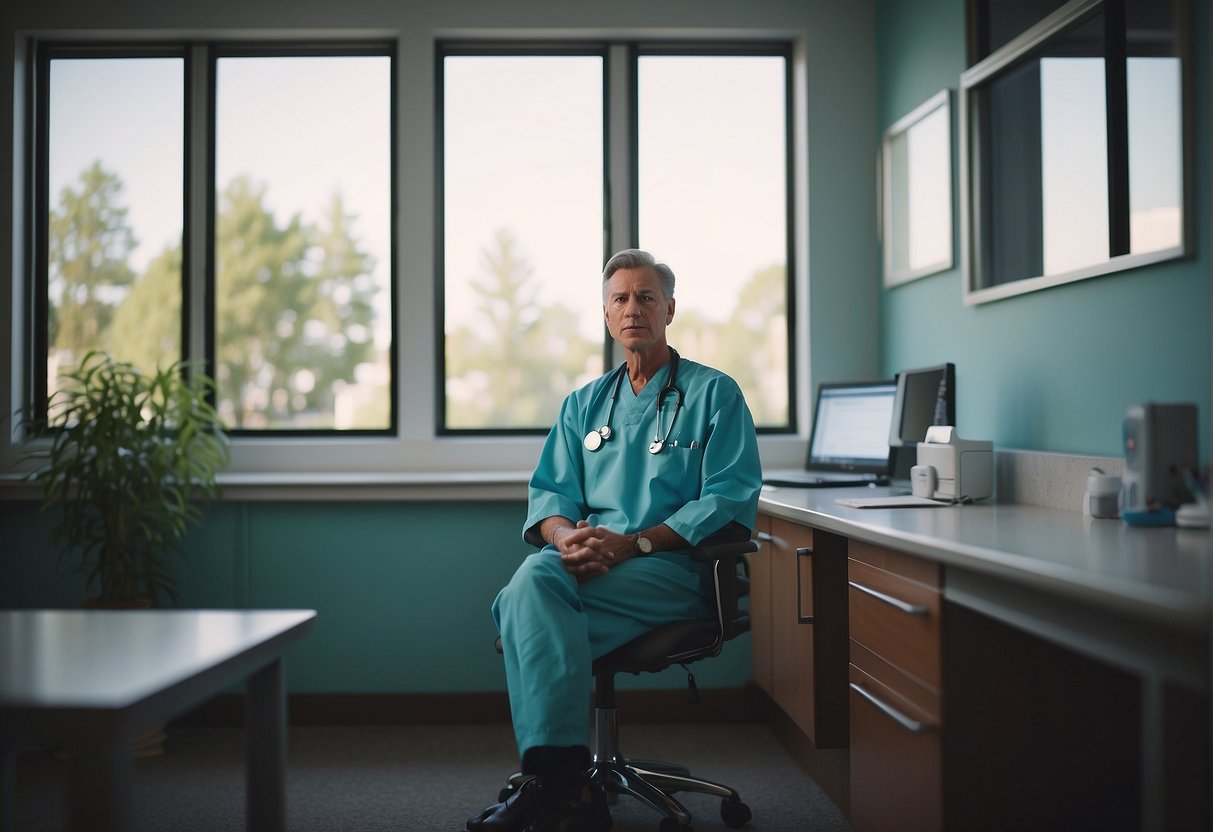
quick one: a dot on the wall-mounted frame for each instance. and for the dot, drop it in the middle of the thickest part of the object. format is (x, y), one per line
(1076, 148)
(916, 192)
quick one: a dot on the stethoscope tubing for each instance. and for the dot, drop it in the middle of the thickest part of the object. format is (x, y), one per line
(596, 438)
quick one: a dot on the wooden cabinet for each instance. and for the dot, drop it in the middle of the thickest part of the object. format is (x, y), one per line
(799, 627)
(895, 681)
(1060, 714)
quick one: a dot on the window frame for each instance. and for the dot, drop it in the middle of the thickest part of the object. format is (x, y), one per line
(971, 113)
(896, 179)
(414, 462)
(621, 211)
(486, 48)
(35, 382)
(198, 171)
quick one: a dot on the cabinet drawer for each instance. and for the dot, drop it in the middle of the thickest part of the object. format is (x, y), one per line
(918, 570)
(898, 619)
(895, 761)
(916, 696)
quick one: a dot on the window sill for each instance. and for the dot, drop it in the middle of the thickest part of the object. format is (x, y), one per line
(336, 486)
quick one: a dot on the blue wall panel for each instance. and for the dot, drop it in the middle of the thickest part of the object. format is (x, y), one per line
(403, 590)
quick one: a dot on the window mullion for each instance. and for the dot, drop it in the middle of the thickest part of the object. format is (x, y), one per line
(621, 208)
(197, 323)
(39, 387)
(621, 147)
(1117, 102)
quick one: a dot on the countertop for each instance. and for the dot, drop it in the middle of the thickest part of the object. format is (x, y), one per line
(1156, 575)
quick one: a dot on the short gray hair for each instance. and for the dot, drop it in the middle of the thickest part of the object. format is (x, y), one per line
(634, 258)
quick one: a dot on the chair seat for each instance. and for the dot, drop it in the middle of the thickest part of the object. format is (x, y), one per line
(680, 642)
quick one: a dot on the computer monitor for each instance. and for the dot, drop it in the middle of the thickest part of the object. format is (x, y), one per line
(914, 411)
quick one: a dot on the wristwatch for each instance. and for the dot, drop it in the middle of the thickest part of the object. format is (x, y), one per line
(644, 546)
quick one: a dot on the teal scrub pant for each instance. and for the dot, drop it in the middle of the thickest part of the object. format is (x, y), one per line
(552, 628)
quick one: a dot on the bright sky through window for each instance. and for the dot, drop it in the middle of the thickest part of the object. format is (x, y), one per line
(127, 113)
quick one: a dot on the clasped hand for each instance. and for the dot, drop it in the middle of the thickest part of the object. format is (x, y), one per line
(588, 551)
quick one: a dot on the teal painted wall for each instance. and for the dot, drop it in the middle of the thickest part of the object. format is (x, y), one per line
(1052, 370)
(843, 263)
(403, 590)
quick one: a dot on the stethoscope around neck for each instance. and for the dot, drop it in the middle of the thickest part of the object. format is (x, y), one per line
(595, 438)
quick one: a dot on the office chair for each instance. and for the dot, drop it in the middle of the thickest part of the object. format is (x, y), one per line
(653, 782)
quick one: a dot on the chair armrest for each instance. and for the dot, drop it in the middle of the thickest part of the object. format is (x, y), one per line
(707, 554)
(725, 550)
(730, 542)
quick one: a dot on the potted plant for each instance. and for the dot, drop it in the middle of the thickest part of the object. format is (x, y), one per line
(131, 459)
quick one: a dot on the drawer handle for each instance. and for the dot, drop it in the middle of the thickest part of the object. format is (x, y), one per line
(911, 725)
(764, 537)
(908, 609)
(801, 618)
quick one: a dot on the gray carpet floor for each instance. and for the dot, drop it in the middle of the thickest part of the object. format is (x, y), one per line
(415, 777)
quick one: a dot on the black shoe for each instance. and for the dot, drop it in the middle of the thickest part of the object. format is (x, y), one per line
(515, 814)
(527, 811)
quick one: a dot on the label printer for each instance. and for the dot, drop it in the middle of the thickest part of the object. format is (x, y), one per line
(951, 468)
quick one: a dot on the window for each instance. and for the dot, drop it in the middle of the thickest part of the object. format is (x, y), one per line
(303, 241)
(527, 219)
(390, 262)
(291, 307)
(713, 202)
(522, 220)
(113, 213)
(1075, 148)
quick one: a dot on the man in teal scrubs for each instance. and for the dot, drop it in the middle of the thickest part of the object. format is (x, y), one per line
(641, 465)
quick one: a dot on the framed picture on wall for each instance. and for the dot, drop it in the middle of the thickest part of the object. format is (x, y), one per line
(916, 192)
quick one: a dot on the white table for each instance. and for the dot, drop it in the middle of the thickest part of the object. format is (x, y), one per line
(88, 680)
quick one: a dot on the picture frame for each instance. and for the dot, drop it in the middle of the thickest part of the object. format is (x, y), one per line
(916, 192)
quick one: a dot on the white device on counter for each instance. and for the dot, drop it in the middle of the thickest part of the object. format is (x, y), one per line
(951, 468)
(1103, 494)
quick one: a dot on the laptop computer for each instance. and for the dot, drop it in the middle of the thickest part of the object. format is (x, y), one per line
(849, 445)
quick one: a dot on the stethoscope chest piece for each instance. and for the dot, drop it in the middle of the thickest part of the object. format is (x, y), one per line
(595, 438)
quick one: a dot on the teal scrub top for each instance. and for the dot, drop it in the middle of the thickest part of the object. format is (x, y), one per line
(707, 475)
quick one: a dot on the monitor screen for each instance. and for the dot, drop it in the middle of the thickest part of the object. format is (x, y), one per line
(918, 391)
(851, 425)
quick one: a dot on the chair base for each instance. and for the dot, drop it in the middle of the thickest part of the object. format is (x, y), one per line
(652, 782)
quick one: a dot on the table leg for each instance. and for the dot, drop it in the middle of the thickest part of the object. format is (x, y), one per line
(100, 787)
(267, 749)
(8, 786)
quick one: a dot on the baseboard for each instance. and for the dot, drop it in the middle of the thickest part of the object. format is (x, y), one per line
(716, 705)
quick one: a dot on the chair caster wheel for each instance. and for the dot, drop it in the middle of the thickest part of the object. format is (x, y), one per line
(734, 813)
(671, 825)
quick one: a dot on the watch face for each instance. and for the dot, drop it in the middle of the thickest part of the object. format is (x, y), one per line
(644, 544)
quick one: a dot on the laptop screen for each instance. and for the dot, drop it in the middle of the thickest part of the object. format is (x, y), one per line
(851, 426)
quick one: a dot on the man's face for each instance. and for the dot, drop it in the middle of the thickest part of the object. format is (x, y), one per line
(637, 310)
